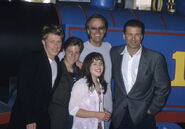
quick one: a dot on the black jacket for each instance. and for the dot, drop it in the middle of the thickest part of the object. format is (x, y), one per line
(58, 109)
(34, 92)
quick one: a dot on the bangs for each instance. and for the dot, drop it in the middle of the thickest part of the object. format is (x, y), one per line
(97, 58)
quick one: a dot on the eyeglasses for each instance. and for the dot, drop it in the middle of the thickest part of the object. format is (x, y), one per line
(97, 28)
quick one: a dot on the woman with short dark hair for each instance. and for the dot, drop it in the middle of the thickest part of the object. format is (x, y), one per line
(58, 109)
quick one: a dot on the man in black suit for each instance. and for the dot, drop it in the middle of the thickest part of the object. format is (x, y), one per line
(141, 79)
(37, 76)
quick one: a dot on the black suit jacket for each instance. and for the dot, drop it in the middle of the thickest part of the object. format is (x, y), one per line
(58, 108)
(150, 90)
(34, 92)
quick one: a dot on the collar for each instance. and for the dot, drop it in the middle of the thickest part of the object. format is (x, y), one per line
(50, 60)
(125, 51)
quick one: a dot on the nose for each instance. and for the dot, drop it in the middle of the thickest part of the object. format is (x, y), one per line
(72, 54)
(99, 65)
(97, 30)
(57, 45)
(133, 37)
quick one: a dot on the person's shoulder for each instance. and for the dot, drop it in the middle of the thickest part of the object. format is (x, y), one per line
(117, 48)
(32, 60)
(81, 81)
(34, 55)
(86, 43)
(152, 53)
(87, 46)
(107, 45)
(81, 84)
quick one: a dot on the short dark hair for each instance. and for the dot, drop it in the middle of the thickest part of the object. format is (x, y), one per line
(86, 70)
(51, 29)
(74, 41)
(96, 15)
(134, 23)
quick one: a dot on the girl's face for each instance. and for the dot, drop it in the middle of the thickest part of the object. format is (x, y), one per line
(96, 69)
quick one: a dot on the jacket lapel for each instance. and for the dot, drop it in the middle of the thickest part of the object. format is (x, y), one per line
(120, 76)
(48, 67)
(142, 68)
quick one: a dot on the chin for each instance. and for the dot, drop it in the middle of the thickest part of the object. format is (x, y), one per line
(99, 75)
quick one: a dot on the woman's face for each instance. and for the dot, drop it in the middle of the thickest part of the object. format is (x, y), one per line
(72, 54)
(96, 69)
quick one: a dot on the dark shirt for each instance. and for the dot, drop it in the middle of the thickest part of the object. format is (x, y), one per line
(76, 74)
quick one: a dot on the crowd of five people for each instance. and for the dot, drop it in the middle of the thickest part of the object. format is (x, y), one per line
(70, 88)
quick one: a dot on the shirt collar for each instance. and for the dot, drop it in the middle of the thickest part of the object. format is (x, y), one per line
(50, 60)
(125, 51)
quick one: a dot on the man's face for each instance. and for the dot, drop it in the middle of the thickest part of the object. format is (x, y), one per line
(52, 45)
(96, 31)
(133, 37)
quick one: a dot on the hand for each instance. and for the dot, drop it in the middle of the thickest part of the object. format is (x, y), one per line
(31, 126)
(108, 115)
(149, 112)
(103, 116)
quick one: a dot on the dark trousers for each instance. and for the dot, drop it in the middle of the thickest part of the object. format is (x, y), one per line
(18, 122)
(147, 123)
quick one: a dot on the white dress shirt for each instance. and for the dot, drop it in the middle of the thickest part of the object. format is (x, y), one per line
(53, 65)
(129, 68)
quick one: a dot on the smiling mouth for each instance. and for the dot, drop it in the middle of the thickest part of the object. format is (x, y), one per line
(99, 71)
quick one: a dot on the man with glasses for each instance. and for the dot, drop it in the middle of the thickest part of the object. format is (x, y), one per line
(96, 27)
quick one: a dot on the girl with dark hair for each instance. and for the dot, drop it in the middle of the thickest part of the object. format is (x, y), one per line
(86, 102)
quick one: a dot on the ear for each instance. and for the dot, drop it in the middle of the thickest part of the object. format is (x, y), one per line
(43, 42)
(88, 31)
(123, 36)
(142, 37)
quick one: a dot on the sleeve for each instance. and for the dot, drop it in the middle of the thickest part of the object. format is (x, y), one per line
(108, 99)
(110, 46)
(162, 85)
(112, 53)
(77, 94)
(26, 83)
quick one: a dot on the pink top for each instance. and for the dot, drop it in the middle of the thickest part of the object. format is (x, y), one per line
(83, 98)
